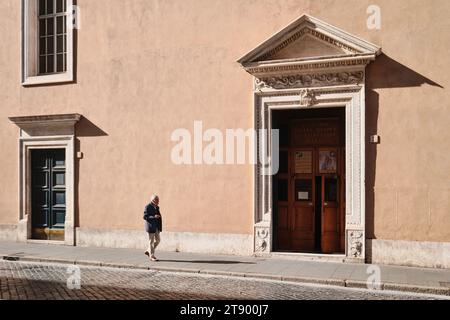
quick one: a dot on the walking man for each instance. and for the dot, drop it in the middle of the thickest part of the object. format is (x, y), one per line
(153, 226)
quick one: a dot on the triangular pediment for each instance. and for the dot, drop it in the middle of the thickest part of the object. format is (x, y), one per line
(309, 39)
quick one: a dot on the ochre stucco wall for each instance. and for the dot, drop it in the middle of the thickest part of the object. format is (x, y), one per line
(147, 67)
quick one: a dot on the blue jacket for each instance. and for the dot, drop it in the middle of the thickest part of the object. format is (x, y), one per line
(152, 223)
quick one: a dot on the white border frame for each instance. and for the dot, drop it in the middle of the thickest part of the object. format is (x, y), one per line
(26, 144)
(67, 76)
(353, 99)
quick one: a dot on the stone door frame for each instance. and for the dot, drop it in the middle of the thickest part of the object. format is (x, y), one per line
(46, 132)
(26, 146)
(288, 75)
(352, 98)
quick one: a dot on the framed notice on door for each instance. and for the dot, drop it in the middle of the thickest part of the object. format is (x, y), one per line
(303, 162)
(327, 161)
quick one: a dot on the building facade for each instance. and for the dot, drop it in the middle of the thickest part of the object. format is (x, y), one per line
(312, 129)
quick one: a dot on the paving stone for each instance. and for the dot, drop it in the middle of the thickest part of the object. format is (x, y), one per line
(44, 281)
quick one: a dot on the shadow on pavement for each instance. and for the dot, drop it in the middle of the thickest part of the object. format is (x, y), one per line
(32, 289)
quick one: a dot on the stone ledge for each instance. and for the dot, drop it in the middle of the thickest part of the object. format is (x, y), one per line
(205, 243)
(409, 253)
(8, 232)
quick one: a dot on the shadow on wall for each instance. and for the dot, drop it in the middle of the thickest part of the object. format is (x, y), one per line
(84, 128)
(384, 72)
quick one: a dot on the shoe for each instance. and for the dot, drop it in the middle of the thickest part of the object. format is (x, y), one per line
(147, 253)
(153, 258)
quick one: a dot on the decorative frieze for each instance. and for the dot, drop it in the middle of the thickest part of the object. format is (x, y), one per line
(310, 80)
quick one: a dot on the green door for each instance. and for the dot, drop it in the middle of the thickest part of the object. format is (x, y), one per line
(48, 195)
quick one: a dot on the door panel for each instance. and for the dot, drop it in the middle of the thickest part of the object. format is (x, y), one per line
(329, 218)
(330, 215)
(330, 232)
(284, 232)
(302, 204)
(304, 219)
(283, 218)
(303, 228)
(48, 195)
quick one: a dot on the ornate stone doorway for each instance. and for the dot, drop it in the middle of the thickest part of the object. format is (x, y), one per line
(311, 64)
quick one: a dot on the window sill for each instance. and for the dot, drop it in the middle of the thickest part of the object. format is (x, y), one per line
(48, 79)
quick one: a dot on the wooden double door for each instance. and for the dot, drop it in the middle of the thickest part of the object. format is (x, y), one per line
(310, 199)
(48, 193)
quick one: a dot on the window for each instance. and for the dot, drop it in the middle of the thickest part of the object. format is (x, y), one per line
(303, 190)
(331, 189)
(47, 41)
(52, 36)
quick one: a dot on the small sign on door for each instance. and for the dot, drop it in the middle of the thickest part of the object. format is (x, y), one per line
(303, 195)
(303, 162)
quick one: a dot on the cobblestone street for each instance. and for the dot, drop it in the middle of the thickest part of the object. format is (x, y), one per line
(24, 280)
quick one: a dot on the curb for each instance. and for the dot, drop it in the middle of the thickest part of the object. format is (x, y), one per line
(174, 269)
(406, 288)
(329, 282)
(442, 291)
(357, 284)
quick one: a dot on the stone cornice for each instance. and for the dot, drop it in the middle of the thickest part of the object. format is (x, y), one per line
(42, 125)
(70, 118)
(299, 66)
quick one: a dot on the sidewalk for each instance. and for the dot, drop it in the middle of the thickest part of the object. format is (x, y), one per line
(421, 280)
